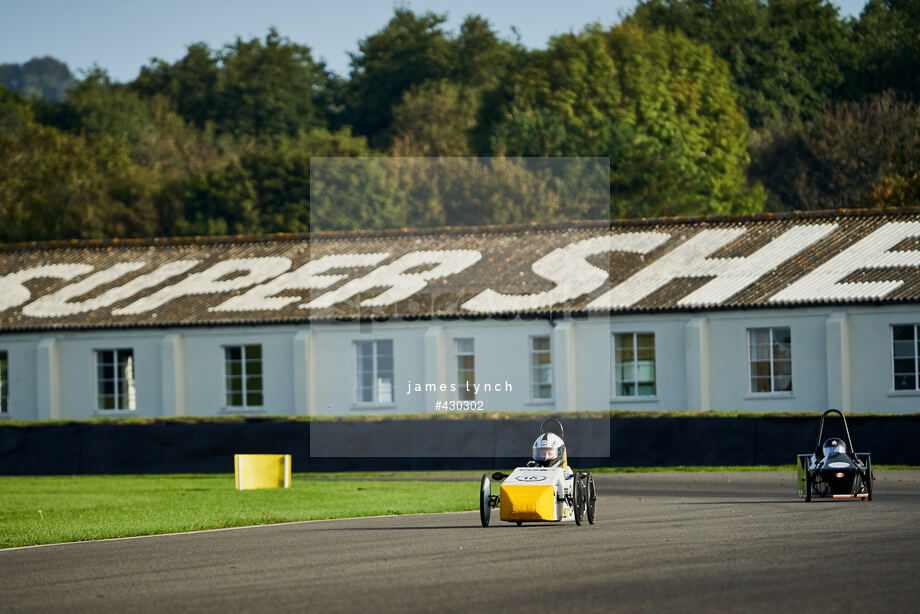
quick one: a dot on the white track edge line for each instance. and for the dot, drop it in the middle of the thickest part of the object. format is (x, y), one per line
(250, 526)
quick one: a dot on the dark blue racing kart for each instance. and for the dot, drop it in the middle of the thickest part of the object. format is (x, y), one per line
(834, 470)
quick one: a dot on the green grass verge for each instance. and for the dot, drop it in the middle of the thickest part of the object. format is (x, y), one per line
(44, 510)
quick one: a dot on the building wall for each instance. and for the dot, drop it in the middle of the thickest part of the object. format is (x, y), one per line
(729, 367)
(870, 356)
(841, 357)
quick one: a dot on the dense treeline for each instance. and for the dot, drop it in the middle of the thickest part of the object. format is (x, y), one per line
(702, 106)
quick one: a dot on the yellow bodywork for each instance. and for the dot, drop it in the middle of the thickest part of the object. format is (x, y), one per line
(528, 502)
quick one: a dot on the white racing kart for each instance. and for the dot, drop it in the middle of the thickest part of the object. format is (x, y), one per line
(546, 490)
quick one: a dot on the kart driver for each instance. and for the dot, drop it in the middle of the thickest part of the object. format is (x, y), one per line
(833, 446)
(549, 450)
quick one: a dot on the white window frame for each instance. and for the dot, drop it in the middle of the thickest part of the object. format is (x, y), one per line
(129, 376)
(4, 383)
(462, 393)
(772, 361)
(635, 382)
(532, 368)
(244, 376)
(916, 359)
(376, 389)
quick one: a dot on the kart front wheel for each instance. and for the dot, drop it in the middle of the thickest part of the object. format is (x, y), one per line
(578, 496)
(485, 491)
(591, 499)
(808, 485)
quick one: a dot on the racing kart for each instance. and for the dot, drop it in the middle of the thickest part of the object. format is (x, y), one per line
(542, 491)
(834, 470)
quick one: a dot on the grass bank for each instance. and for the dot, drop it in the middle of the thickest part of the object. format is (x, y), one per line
(44, 510)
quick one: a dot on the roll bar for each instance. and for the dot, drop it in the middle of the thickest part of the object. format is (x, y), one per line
(544, 429)
(818, 451)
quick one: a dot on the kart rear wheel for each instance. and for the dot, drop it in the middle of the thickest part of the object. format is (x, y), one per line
(869, 480)
(592, 498)
(808, 485)
(578, 496)
(485, 491)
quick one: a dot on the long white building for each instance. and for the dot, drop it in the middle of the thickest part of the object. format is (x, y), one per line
(763, 313)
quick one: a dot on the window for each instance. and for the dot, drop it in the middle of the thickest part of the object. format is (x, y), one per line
(771, 359)
(243, 375)
(374, 371)
(904, 346)
(4, 385)
(541, 369)
(115, 380)
(634, 364)
(466, 369)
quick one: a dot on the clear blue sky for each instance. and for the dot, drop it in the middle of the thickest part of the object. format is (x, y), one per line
(123, 35)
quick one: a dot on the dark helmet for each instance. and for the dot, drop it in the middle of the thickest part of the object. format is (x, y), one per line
(834, 446)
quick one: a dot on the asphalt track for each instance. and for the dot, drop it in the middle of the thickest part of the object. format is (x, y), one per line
(663, 543)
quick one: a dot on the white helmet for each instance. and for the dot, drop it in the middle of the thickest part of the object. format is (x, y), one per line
(549, 449)
(834, 446)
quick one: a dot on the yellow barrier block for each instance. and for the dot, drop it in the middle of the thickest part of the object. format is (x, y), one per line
(262, 471)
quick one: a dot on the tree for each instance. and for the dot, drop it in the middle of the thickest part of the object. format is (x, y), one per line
(15, 111)
(786, 57)
(266, 189)
(258, 89)
(270, 89)
(858, 154)
(190, 84)
(388, 192)
(887, 41)
(407, 52)
(660, 106)
(435, 119)
(54, 185)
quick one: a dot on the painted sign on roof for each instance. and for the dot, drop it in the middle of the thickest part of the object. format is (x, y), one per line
(584, 267)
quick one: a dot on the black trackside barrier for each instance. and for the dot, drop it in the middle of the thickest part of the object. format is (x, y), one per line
(165, 446)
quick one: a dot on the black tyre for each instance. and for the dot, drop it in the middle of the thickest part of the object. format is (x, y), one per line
(592, 499)
(485, 491)
(869, 479)
(578, 496)
(808, 485)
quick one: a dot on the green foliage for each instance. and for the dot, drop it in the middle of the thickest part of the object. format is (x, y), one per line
(413, 72)
(887, 41)
(418, 192)
(408, 51)
(54, 185)
(15, 111)
(680, 98)
(47, 510)
(660, 106)
(250, 88)
(266, 189)
(435, 119)
(190, 84)
(787, 57)
(855, 155)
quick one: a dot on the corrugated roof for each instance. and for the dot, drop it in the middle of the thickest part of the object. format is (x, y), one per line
(631, 266)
